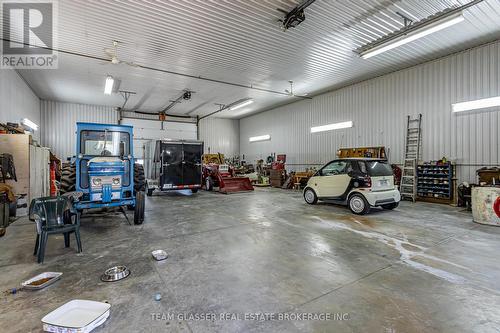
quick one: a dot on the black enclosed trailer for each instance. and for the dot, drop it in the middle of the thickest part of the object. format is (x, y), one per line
(177, 165)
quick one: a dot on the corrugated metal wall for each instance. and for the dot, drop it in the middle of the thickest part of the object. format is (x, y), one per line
(59, 123)
(379, 107)
(17, 100)
(220, 136)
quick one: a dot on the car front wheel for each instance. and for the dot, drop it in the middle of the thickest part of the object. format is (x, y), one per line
(310, 196)
(358, 204)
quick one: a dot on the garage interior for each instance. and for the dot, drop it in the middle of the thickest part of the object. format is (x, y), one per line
(250, 166)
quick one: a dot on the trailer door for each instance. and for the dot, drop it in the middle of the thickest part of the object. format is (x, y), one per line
(192, 163)
(172, 158)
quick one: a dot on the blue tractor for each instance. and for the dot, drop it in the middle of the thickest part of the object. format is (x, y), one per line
(104, 171)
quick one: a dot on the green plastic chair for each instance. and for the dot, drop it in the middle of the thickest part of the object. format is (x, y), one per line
(54, 215)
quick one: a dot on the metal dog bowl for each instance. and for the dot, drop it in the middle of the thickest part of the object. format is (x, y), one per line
(115, 274)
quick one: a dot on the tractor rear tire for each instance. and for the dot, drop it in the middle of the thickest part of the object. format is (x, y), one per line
(139, 179)
(139, 207)
(68, 178)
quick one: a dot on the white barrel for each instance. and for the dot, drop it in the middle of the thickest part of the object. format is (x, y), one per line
(486, 205)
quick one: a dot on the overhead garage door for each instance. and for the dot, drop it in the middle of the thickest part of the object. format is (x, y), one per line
(146, 132)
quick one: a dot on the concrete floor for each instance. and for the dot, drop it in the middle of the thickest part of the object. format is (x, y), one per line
(420, 268)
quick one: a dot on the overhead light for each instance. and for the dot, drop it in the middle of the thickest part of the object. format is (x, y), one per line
(416, 33)
(477, 104)
(260, 138)
(241, 104)
(108, 88)
(29, 123)
(329, 127)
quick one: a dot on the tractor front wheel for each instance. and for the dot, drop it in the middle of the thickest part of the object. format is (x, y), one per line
(139, 207)
(139, 179)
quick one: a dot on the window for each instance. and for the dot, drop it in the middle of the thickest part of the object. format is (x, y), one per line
(362, 167)
(104, 143)
(336, 168)
(376, 168)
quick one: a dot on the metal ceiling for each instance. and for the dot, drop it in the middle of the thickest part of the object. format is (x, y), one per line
(239, 41)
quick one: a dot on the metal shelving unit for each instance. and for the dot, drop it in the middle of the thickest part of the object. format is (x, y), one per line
(435, 181)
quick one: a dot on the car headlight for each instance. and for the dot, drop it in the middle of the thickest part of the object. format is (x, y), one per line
(96, 181)
(116, 181)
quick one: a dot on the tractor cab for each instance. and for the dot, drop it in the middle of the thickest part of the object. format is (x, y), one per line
(104, 170)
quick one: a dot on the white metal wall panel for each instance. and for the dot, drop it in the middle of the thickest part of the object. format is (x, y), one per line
(59, 123)
(378, 108)
(220, 136)
(17, 100)
(157, 130)
(146, 132)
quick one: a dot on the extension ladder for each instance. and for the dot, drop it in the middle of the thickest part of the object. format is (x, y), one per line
(408, 187)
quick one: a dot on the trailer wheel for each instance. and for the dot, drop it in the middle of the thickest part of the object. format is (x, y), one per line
(68, 178)
(194, 190)
(149, 190)
(139, 208)
(139, 179)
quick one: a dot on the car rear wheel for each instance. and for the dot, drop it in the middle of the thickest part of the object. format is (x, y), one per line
(391, 205)
(358, 204)
(310, 196)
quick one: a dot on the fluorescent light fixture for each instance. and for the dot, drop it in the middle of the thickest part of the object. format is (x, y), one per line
(241, 104)
(108, 88)
(329, 127)
(477, 104)
(425, 30)
(29, 123)
(260, 138)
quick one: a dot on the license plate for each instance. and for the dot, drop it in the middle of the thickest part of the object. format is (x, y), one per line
(384, 183)
(167, 186)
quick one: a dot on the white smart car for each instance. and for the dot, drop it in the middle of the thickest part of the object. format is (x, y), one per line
(359, 183)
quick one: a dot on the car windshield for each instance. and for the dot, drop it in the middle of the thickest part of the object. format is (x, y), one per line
(377, 168)
(104, 143)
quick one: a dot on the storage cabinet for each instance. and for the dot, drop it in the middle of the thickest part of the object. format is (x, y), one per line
(32, 165)
(435, 181)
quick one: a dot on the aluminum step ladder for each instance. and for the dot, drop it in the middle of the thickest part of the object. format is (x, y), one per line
(408, 187)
